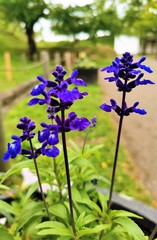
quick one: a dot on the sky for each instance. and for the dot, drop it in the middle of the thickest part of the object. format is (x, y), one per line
(44, 25)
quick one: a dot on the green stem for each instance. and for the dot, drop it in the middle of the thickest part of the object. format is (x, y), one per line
(57, 178)
(39, 180)
(116, 151)
(85, 140)
(151, 237)
(67, 173)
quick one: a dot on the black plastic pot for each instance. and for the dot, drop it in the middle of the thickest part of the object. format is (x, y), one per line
(148, 213)
(89, 75)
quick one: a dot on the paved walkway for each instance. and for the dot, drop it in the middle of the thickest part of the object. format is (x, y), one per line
(140, 132)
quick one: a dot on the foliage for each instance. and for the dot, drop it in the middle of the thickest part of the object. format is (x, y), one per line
(140, 18)
(14, 38)
(26, 211)
(26, 13)
(80, 19)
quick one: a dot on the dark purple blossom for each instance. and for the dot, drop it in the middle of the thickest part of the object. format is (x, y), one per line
(124, 71)
(56, 94)
(126, 75)
(77, 81)
(72, 122)
(58, 97)
(125, 111)
(49, 138)
(14, 149)
(27, 127)
(79, 124)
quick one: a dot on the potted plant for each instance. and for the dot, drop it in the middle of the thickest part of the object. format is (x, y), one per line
(65, 202)
(87, 68)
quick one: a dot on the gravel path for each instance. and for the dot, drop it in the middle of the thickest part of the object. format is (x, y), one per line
(140, 132)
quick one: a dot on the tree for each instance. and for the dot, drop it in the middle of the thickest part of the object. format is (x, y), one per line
(66, 21)
(140, 19)
(26, 13)
(89, 19)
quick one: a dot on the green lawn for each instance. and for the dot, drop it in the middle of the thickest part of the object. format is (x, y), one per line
(104, 132)
(22, 70)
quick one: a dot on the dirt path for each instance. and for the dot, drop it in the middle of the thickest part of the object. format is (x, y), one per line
(140, 132)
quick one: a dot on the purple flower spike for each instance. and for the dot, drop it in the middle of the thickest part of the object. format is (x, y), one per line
(127, 75)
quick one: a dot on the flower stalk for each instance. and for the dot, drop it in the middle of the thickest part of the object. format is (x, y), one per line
(67, 172)
(151, 237)
(126, 75)
(39, 180)
(116, 152)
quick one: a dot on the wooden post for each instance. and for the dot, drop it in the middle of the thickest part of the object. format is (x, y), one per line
(44, 57)
(7, 59)
(57, 58)
(68, 60)
(4, 166)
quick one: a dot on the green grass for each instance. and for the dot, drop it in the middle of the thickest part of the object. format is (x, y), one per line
(104, 132)
(23, 70)
(12, 40)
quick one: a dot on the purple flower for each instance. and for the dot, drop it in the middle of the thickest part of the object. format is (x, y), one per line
(27, 127)
(50, 152)
(79, 124)
(77, 81)
(49, 137)
(125, 111)
(14, 149)
(38, 89)
(127, 75)
(125, 70)
(56, 94)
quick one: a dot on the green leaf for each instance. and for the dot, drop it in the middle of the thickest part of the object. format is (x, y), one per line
(91, 204)
(5, 235)
(50, 224)
(123, 213)
(97, 229)
(103, 201)
(60, 211)
(130, 227)
(79, 222)
(94, 150)
(29, 211)
(7, 207)
(4, 187)
(54, 228)
(17, 168)
(31, 190)
(75, 146)
(89, 218)
(113, 236)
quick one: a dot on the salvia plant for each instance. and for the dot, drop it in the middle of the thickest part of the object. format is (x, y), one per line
(71, 207)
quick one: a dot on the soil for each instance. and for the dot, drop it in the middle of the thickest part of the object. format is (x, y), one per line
(139, 133)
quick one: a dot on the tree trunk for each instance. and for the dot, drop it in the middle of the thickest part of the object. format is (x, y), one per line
(31, 43)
